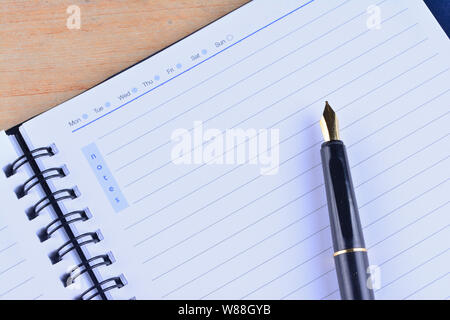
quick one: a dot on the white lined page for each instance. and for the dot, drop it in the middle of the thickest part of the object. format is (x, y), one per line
(226, 231)
(25, 270)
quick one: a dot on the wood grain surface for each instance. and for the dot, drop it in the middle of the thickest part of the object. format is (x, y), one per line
(43, 63)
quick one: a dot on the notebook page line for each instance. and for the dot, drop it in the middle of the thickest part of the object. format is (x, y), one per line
(404, 137)
(298, 220)
(335, 291)
(21, 261)
(407, 157)
(317, 143)
(302, 130)
(160, 167)
(393, 234)
(193, 67)
(160, 125)
(264, 109)
(296, 199)
(372, 246)
(405, 250)
(406, 203)
(8, 247)
(284, 140)
(292, 114)
(269, 106)
(331, 270)
(415, 268)
(393, 106)
(11, 267)
(361, 206)
(426, 286)
(292, 292)
(251, 247)
(409, 135)
(307, 284)
(390, 236)
(420, 265)
(273, 257)
(228, 67)
(234, 85)
(2, 294)
(396, 186)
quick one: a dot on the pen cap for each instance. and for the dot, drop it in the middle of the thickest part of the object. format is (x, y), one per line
(342, 207)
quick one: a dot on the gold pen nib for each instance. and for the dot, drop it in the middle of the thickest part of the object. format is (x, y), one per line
(329, 124)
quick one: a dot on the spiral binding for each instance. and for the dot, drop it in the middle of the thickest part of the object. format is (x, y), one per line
(94, 262)
(106, 285)
(34, 181)
(71, 217)
(46, 201)
(36, 153)
(81, 240)
(63, 221)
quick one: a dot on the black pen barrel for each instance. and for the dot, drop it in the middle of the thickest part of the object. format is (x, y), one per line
(350, 254)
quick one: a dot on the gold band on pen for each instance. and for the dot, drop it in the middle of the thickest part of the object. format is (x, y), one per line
(349, 250)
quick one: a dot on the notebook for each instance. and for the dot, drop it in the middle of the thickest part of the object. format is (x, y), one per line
(196, 173)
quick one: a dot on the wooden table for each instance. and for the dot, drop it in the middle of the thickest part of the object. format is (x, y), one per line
(43, 62)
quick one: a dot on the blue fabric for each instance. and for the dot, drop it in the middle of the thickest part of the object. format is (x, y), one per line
(441, 10)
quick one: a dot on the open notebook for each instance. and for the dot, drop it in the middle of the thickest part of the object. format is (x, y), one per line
(153, 209)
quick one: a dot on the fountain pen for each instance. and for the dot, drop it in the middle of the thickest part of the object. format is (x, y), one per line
(350, 253)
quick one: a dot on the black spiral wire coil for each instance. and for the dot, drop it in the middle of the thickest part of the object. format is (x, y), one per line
(63, 221)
